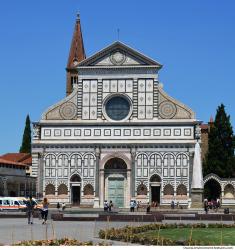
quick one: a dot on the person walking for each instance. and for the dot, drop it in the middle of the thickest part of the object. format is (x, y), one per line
(30, 204)
(110, 206)
(44, 212)
(148, 208)
(58, 206)
(63, 206)
(132, 206)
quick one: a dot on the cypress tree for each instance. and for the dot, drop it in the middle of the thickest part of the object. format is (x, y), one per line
(220, 158)
(26, 141)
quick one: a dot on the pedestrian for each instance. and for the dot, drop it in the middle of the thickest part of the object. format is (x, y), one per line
(63, 206)
(106, 205)
(172, 204)
(148, 208)
(138, 205)
(110, 206)
(45, 205)
(132, 206)
(30, 204)
(218, 203)
(58, 206)
(206, 206)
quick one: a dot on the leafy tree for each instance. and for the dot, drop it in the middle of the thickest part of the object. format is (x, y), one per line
(26, 141)
(220, 158)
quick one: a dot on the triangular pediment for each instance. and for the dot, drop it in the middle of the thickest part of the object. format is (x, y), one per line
(119, 54)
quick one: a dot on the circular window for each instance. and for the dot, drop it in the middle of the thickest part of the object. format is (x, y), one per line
(117, 108)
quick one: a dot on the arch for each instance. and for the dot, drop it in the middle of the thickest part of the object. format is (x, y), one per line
(155, 178)
(168, 160)
(115, 163)
(50, 189)
(229, 191)
(212, 189)
(181, 190)
(75, 178)
(212, 176)
(62, 189)
(168, 190)
(89, 160)
(63, 160)
(142, 189)
(75, 160)
(50, 160)
(155, 160)
(115, 155)
(88, 189)
(142, 160)
(182, 160)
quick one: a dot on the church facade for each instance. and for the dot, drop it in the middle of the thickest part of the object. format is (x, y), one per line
(116, 136)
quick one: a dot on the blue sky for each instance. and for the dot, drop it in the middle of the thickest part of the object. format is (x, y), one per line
(194, 40)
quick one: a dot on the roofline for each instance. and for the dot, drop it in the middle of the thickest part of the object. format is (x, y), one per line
(100, 52)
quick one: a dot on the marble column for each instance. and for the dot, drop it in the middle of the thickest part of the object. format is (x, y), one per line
(133, 154)
(128, 192)
(102, 191)
(97, 179)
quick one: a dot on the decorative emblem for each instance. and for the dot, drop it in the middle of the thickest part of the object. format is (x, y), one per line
(68, 111)
(117, 58)
(167, 110)
(36, 131)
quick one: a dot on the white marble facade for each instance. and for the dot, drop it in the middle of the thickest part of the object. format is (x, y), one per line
(117, 136)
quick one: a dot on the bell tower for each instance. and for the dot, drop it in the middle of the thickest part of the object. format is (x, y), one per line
(76, 55)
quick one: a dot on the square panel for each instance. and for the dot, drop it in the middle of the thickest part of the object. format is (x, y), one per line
(91, 172)
(113, 86)
(117, 132)
(177, 132)
(141, 112)
(85, 172)
(85, 113)
(107, 132)
(85, 99)
(187, 132)
(149, 112)
(145, 172)
(129, 86)
(106, 86)
(172, 172)
(147, 132)
(86, 86)
(137, 132)
(127, 132)
(167, 132)
(93, 86)
(149, 98)
(47, 132)
(141, 98)
(139, 172)
(67, 132)
(165, 172)
(97, 132)
(87, 132)
(185, 172)
(178, 172)
(141, 86)
(77, 132)
(149, 85)
(57, 132)
(121, 86)
(93, 99)
(157, 132)
(93, 113)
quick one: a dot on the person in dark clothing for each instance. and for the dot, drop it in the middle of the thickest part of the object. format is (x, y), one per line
(110, 206)
(30, 204)
(58, 206)
(148, 208)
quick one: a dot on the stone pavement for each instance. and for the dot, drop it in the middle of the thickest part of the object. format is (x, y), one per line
(14, 230)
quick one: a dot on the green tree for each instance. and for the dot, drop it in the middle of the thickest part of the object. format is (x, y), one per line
(220, 158)
(26, 141)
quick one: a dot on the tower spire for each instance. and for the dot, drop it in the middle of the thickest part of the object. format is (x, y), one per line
(76, 55)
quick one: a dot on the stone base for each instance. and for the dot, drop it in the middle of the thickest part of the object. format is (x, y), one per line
(196, 198)
(96, 202)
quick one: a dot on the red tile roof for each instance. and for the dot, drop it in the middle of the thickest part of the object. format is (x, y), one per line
(16, 164)
(23, 158)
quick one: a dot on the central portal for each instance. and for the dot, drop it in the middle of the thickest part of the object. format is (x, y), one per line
(115, 171)
(116, 191)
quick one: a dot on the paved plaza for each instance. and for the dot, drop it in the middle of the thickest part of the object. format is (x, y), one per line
(14, 230)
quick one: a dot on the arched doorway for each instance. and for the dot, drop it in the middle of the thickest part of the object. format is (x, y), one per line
(155, 188)
(75, 182)
(212, 189)
(115, 171)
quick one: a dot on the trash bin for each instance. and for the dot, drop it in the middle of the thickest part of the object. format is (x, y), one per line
(226, 210)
